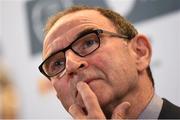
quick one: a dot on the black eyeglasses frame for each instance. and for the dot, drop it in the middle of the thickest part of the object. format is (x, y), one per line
(97, 32)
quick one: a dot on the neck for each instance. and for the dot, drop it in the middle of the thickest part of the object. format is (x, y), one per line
(139, 99)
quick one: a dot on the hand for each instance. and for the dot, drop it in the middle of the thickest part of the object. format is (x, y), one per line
(121, 110)
(93, 108)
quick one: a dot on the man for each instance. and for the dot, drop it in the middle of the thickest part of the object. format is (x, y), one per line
(99, 66)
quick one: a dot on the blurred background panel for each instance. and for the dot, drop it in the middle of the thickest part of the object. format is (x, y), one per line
(21, 37)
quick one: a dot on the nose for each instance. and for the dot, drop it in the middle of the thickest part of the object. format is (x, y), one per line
(74, 63)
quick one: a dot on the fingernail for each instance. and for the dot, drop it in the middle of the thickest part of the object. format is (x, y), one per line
(121, 110)
(71, 108)
(126, 106)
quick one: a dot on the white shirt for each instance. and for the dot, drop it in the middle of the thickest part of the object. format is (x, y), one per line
(153, 109)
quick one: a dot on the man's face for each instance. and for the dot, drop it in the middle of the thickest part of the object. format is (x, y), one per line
(110, 71)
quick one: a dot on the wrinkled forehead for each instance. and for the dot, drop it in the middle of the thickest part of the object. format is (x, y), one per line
(68, 26)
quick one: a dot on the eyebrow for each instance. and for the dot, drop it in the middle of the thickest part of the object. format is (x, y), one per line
(82, 33)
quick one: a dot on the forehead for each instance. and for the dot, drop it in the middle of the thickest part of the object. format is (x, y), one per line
(67, 27)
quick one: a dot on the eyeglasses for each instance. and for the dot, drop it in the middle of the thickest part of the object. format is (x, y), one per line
(84, 45)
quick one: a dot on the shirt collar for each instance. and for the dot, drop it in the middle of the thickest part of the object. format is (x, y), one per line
(153, 109)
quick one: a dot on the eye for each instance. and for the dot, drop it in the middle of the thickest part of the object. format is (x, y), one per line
(89, 43)
(59, 63)
(86, 44)
(56, 65)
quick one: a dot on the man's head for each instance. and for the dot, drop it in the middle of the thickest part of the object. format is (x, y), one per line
(122, 25)
(104, 50)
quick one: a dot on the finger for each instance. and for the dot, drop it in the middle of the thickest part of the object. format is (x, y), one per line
(76, 112)
(89, 98)
(121, 110)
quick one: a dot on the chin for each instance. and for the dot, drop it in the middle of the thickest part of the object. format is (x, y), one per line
(104, 101)
(66, 103)
(103, 93)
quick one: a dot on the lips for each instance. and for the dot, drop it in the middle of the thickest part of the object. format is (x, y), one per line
(86, 81)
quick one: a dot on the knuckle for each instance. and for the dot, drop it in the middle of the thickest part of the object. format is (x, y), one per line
(73, 109)
(88, 96)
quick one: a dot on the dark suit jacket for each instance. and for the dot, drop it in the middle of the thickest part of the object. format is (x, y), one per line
(169, 111)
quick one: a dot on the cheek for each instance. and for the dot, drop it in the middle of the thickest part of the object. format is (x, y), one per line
(101, 61)
(63, 93)
(119, 69)
(106, 63)
(103, 91)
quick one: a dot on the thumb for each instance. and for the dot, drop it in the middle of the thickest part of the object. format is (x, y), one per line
(121, 110)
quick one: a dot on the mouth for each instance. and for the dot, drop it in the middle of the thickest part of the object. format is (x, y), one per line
(88, 81)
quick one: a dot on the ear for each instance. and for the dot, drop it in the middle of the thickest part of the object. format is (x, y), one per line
(140, 48)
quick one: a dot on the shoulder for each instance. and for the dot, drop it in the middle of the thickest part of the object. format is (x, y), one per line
(169, 110)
